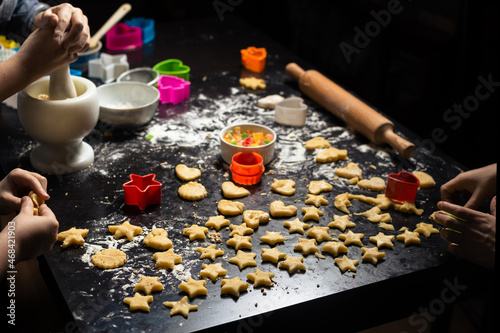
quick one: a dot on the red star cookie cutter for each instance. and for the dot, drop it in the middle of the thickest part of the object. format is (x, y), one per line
(254, 59)
(142, 191)
(402, 186)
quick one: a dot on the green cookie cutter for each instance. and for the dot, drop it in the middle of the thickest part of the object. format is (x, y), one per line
(173, 67)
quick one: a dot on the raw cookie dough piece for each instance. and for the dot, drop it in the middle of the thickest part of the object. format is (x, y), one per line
(231, 191)
(311, 213)
(376, 184)
(167, 259)
(426, 229)
(385, 226)
(317, 186)
(209, 252)
(72, 236)
(37, 201)
(306, 246)
(373, 215)
(283, 186)
(407, 207)
(240, 242)
(241, 230)
(194, 287)
(185, 173)
(296, 226)
(381, 201)
(125, 229)
(372, 254)
(138, 302)
(253, 83)
(213, 271)
(253, 218)
(346, 264)
(181, 307)
(195, 232)
(273, 255)
(425, 179)
(334, 248)
(341, 222)
(342, 202)
(233, 286)
(319, 233)
(260, 278)
(109, 258)
(158, 239)
(409, 237)
(292, 264)
(217, 222)
(331, 155)
(272, 238)
(352, 238)
(278, 208)
(192, 191)
(227, 207)
(317, 143)
(148, 284)
(316, 200)
(350, 171)
(383, 240)
(243, 259)
(269, 102)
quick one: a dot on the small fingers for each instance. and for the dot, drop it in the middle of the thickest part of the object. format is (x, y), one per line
(452, 236)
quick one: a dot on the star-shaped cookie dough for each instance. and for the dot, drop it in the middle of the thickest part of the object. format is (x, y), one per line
(195, 232)
(260, 278)
(292, 264)
(241, 230)
(253, 218)
(167, 259)
(158, 239)
(426, 229)
(272, 238)
(345, 264)
(383, 240)
(233, 286)
(72, 236)
(306, 246)
(194, 287)
(372, 254)
(317, 186)
(273, 255)
(243, 259)
(148, 284)
(296, 225)
(316, 200)
(319, 233)
(213, 271)
(240, 242)
(181, 307)
(409, 237)
(125, 229)
(311, 213)
(217, 222)
(352, 238)
(334, 248)
(138, 302)
(209, 252)
(253, 83)
(341, 222)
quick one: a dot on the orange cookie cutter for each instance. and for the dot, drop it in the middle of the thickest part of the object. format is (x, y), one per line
(254, 59)
(247, 168)
(142, 191)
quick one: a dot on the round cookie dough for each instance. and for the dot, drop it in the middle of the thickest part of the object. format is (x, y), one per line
(109, 258)
(192, 191)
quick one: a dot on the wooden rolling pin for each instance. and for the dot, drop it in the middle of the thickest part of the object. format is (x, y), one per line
(350, 109)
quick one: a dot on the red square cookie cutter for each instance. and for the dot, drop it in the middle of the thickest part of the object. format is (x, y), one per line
(402, 186)
(142, 191)
(254, 59)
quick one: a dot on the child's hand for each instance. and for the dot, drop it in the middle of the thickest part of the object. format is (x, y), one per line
(35, 235)
(17, 184)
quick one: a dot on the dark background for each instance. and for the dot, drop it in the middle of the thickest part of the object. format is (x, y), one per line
(425, 60)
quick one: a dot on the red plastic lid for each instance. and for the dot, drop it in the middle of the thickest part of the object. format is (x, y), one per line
(402, 186)
(247, 168)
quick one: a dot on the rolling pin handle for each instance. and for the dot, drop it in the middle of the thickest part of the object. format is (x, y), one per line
(294, 71)
(404, 147)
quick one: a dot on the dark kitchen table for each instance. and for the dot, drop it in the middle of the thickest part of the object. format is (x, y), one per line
(409, 280)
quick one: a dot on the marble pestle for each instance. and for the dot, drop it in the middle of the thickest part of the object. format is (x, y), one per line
(61, 85)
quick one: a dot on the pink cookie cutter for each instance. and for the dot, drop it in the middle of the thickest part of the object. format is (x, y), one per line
(142, 191)
(402, 186)
(122, 37)
(173, 89)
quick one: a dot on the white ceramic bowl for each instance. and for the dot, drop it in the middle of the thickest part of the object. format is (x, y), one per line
(266, 151)
(127, 104)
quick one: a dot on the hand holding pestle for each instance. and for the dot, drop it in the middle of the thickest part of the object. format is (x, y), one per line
(61, 85)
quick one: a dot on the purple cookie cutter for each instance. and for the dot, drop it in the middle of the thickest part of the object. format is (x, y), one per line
(173, 89)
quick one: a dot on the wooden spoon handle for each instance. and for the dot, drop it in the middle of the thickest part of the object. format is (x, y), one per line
(115, 18)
